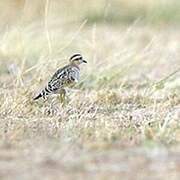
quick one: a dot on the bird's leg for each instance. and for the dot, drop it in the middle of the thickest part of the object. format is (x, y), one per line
(62, 96)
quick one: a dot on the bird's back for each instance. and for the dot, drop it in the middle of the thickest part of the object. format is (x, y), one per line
(66, 75)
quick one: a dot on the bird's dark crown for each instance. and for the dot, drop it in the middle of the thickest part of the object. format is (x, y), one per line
(77, 59)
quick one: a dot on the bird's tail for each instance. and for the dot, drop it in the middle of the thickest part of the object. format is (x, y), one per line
(44, 93)
(38, 96)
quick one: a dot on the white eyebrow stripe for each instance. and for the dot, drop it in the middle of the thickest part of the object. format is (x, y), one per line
(75, 56)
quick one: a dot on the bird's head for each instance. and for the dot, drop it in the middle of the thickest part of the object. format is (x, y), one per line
(77, 59)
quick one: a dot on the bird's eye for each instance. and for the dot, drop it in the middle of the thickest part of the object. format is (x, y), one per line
(78, 59)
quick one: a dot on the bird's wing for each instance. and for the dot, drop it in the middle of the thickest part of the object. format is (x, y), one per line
(74, 74)
(63, 77)
(57, 79)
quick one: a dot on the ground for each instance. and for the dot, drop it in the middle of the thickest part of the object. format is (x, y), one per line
(121, 121)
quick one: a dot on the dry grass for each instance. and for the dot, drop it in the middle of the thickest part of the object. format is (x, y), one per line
(121, 121)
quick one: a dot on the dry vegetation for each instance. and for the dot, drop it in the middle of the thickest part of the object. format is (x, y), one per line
(120, 122)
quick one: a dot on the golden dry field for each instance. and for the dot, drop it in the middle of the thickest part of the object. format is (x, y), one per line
(122, 121)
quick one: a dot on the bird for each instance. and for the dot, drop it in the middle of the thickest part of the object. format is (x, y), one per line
(63, 78)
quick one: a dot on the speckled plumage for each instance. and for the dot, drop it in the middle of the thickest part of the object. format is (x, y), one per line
(63, 77)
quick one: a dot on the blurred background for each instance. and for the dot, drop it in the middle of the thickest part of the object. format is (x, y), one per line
(102, 11)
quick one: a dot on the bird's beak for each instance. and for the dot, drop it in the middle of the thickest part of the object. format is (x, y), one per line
(84, 61)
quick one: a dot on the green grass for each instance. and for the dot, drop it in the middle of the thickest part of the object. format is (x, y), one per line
(119, 12)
